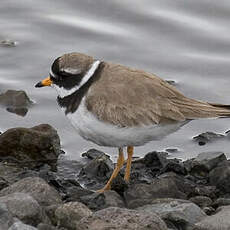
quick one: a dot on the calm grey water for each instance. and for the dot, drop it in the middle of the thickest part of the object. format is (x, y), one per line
(184, 41)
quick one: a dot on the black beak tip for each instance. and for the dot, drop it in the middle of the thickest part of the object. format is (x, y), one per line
(39, 84)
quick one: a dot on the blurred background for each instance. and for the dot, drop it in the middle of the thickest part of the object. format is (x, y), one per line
(184, 41)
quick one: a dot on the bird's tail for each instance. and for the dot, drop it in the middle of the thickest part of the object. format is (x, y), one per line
(193, 109)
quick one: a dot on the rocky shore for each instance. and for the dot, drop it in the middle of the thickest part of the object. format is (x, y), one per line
(41, 189)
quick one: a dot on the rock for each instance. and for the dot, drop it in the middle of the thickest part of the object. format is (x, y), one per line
(43, 226)
(43, 193)
(31, 146)
(221, 202)
(145, 169)
(93, 154)
(64, 179)
(163, 187)
(204, 163)
(97, 201)
(96, 172)
(218, 221)
(8, 43)
(6, 218)
(179, 213)
(25, 208)
(206, 137)
(220, 177)
(16, 101)
(201, 201)
(200, 190)
(50, 212)
(174, 166)
(120, 218)
(21, 226)
(69, 214)
(209, 210)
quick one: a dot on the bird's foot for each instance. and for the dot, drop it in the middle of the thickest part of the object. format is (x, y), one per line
(106, 188)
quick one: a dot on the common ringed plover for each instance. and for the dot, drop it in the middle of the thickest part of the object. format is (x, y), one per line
(117, 106)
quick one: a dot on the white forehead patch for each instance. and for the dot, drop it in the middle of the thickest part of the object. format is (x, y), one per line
(62, 92)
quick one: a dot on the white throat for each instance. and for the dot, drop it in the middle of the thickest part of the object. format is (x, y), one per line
(62, 92)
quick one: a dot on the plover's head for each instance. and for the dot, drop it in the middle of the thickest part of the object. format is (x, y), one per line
(69, 72)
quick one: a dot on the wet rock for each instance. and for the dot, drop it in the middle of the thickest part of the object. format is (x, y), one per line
(174, 166)
(181, 214)
(218, 221)
(69, 214)
(25, 208)
(6, 218)
(145, 169)
(97, 201)
(96, 172)
(15, 101)
(93, 154)
(20, 226)
(30, 146)
(8, 43)
(206, 137)
(220, 177)
(201, 201)
(118, 218)
(164, 187)
(43, 193)
(204, 163)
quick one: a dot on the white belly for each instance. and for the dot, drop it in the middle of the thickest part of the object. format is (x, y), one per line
(90, 128)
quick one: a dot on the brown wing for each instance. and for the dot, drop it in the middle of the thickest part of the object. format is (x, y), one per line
(126, 97)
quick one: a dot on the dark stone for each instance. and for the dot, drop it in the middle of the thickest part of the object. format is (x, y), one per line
(220, 177)
(93, 153)
(209, 210)
(8, 43)
(201, 201)
(98, 201)
(121, 218)
(174, 166)
(43, 193)
(163, 187)
(144, 170)
(204, 163)
(15, 101)
(179, 213)
(96, 172)
(206, 137)
(119, 185)
(30, 146)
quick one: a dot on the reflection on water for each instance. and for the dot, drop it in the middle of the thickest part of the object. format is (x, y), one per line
(183, 41)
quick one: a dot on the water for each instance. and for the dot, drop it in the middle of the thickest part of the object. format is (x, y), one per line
(184, 41)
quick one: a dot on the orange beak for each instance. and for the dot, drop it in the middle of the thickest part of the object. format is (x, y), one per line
(46, 82)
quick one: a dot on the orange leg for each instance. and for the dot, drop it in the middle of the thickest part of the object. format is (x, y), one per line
(129, 162)
(120, 162)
